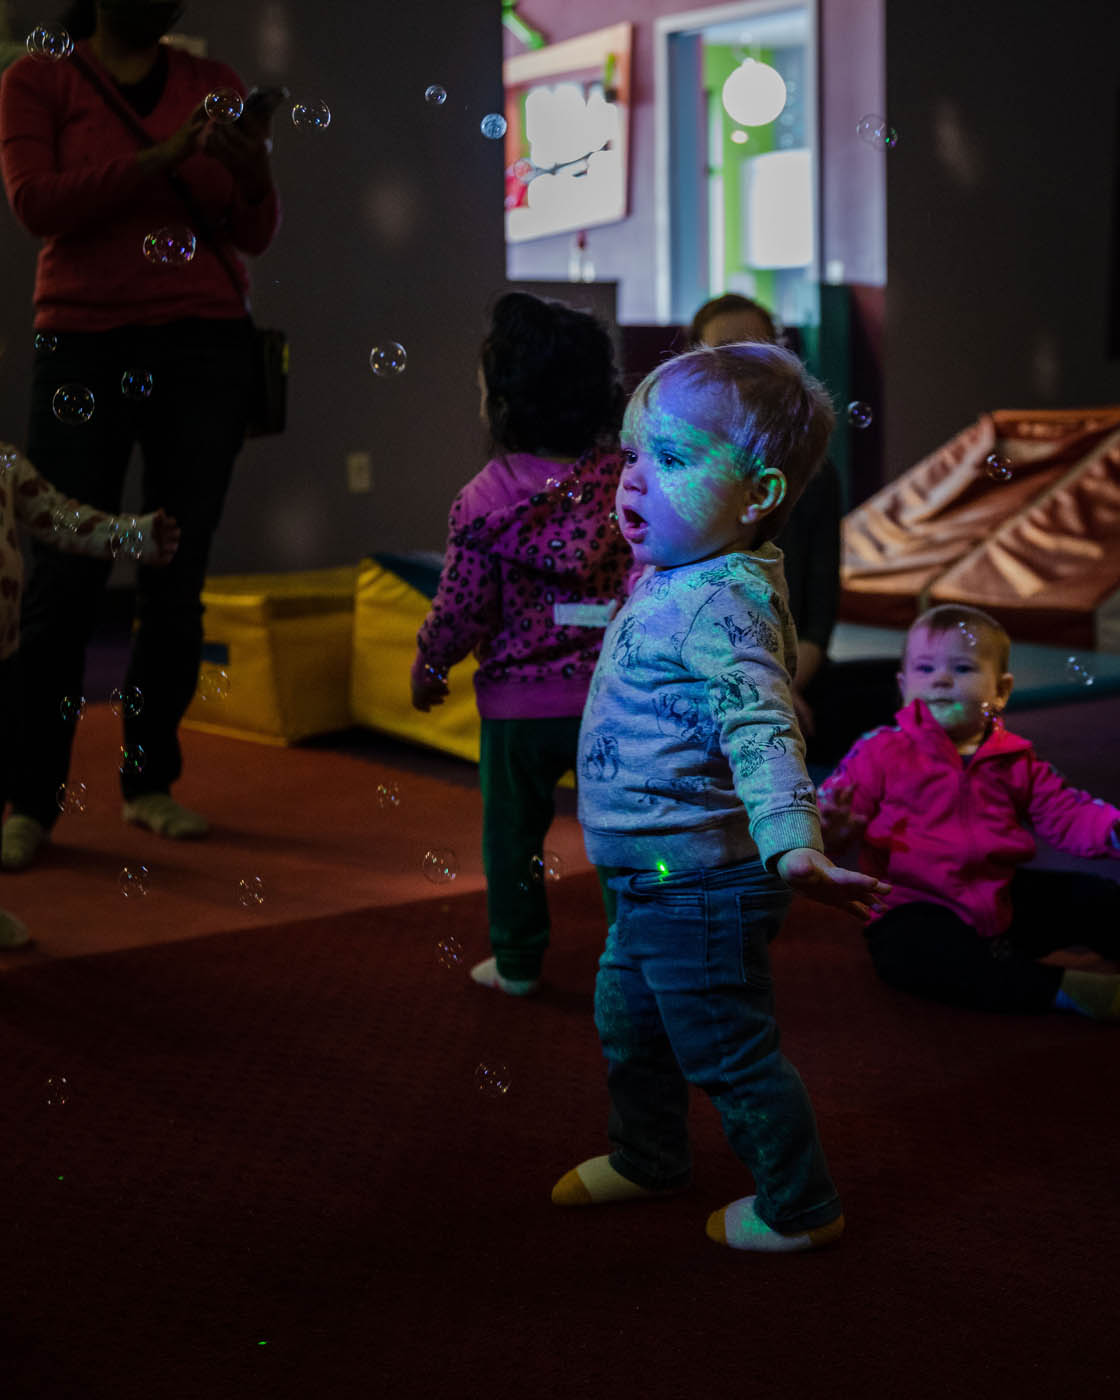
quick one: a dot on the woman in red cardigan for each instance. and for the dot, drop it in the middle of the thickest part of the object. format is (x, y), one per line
(155, 335)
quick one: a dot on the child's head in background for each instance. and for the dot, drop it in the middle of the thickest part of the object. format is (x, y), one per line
(717, 446)
(548, 379)
(956, 659)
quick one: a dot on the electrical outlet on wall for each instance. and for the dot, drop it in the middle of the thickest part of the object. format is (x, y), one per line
(359, 472)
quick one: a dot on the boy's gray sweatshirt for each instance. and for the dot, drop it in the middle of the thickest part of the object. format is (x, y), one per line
(689, 751)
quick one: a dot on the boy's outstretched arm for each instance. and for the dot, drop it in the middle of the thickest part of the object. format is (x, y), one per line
(812, 874)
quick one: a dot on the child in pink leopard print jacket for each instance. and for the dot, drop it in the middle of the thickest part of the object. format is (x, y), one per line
(73, 528)
(533, 570)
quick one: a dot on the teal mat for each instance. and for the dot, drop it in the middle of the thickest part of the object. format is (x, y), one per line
(1041, 675)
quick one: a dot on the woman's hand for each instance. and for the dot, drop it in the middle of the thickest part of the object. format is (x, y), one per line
(165, 536)
(169, 154)
(812, 874)
(243, 147)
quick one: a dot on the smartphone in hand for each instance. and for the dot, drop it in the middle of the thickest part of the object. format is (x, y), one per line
(262, 102)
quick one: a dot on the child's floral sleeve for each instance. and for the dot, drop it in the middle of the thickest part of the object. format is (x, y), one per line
(1068, 818)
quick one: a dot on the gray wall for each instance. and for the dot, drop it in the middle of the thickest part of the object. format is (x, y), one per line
(1002, 226)
(392, 231)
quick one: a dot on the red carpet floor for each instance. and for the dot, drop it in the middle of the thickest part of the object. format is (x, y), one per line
(274, 1175)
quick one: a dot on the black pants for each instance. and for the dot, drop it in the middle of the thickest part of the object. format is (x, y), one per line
(926, 949)
(190, 431)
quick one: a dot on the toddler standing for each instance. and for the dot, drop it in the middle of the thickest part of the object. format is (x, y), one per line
(531, 573)
(944, 803)
(75, 529)
(693, 793)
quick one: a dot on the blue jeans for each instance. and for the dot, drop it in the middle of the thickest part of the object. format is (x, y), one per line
(684, 996)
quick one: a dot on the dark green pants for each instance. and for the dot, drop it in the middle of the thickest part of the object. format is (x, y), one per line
(521, 762)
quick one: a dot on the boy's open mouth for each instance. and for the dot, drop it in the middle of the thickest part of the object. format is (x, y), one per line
(632, 523)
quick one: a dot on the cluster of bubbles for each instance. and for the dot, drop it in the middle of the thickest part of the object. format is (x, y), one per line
(449, 952)
(46, 342)
(65, 517)
(223, 105)
(250, 892)
(311, 116)
(213, 684)
(388, 359)
(126, 701)
(491, 1078)
(1077, 671)
(388, 795)
(49, 41)
(133, 760)
(174, 245)
(127, 539)
(134, 881)
(440, 866)
(58, 1091)
(860, 414)
(8, 458)
(71, 799)
(72, 708)
(73, 404)
(877, 132)
(997, 467)
(967, 636)
(136, 384)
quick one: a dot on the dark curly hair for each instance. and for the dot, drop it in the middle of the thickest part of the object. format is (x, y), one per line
(552, 385)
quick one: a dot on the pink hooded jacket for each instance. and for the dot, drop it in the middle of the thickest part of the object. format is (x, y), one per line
(533, 570)
(946, 832)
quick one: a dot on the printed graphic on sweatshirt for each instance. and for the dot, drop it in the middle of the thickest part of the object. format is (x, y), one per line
(751, 754)
(600, 761)
(689, 788)
(805, 792)
(755, 632)
(681, 716)
(626, 650)
(729, 693)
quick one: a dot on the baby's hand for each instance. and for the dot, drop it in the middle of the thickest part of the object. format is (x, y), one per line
(429, 687)
(839, 824)
(164, 538)
(812, 874)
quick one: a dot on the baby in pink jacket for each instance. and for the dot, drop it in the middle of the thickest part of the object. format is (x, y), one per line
(944, 805)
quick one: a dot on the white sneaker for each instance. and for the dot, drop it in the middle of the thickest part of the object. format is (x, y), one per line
(159, 812)
(486, 974)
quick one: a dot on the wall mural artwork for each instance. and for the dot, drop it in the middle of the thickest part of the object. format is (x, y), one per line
(568, 114)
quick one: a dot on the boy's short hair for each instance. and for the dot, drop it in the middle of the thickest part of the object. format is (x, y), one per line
(778, 415)
(947, 617)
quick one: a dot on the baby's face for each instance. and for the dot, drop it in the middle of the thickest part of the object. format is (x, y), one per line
(681, 494)
(958, 679)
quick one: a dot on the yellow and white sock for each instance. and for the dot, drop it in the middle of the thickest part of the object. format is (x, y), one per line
(1093, 994)
(737, 1225)
(596, 1183)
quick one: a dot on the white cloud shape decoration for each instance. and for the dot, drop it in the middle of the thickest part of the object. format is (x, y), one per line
(754, 94)
(562, 125)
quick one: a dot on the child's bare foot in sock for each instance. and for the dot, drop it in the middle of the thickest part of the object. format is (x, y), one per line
(1094, 994)
(486, 974)
(738, 1226)
(596, 1183)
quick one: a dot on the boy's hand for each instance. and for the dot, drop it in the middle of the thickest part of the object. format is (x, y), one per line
(812, 874)
(165, 538)
(839, 824)
(428, 686)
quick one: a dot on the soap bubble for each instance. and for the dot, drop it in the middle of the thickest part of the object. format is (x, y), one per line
(223, 105)
(71, 799)
(46, 342)
(126, 701)
(8, 458)
(493, 126)
(136, 384)
(1077, 671)
(388, 359)
(440, 866)
(388, 795)
(311, 116)
(65, 518)
(133, 759)
(172, 246)
(997, 467)
(877, 131)
(72, 708)
(213, 684)
(250, 892)
(435, 95)
(553, 866)
(127, 538)
(72, 404)
(133, 881)
(49, 41)
(860, 414)
(967, 636)
(449, 951)
(491, 1078)
(58, 1091)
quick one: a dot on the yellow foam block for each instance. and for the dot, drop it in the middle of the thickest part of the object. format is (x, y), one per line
(284, 641)
(387, 615)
